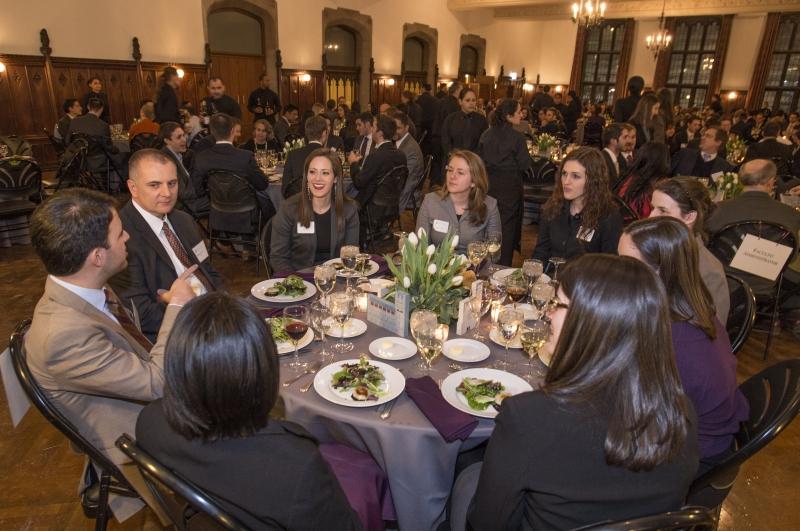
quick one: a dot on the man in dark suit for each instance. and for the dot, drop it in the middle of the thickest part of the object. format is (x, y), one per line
(626, 147)
(687, 134)
(332, 141)
(542, 100)
(174, 139)
(429, 106)
(101, 148)
(406, 143)
(363, 144)
(611, 154)
(96, 92)
(219, 102)
(412, 109)
(623, 108)
(770, 148)
(316, 136)
(164, 241)
(367, 177)
(706, 161)
(287, 122)
(224, 156)
(447, 106)
(263, 102)
(72, 109)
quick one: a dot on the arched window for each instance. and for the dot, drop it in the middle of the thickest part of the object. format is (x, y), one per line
(468, 61)
(340, 47)
(414, 55)
(232, 31)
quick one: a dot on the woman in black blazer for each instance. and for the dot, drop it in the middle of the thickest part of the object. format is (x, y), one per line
(167, 104)
(610, 435)
(213, 425)
(313, 225)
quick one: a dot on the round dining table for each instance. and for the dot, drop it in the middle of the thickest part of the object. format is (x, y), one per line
(419, 464)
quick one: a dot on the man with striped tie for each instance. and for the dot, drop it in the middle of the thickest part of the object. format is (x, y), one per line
(83, 346)
(164, 241)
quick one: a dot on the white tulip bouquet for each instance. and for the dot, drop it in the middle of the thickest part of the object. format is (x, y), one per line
(432, 276)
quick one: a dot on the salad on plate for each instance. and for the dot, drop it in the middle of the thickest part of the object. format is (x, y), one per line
(364, 381)
(480, 393)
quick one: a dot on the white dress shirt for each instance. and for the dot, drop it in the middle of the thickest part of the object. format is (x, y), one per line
(95, 297)
(157, 226)
(614, 158)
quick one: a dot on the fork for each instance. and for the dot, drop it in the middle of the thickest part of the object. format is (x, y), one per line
(454, 366)
(311, 370)
(387, 410)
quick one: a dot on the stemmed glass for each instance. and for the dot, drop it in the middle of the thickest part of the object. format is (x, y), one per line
(362, 266)
(541, 295)
(349, 256)
(508, 323)
(341, 308)
(493, 243)
(296, 325)
(533, 337)
(320, 315)
(556, 261)
(423, 324)
(325, 279)
(476, 252)
(479, 305)
(532, 270)
(516, 288)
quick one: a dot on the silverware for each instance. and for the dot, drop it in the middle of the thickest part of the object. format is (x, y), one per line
(310, 370)
(306, 387)
(455, 367)
(387, 411)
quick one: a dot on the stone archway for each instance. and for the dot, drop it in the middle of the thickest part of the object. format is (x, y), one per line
(361, 26)
(430, 36)
(478, 43)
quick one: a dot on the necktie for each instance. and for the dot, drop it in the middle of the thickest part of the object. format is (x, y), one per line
(629, 159)
(125, 321)
(183, 257)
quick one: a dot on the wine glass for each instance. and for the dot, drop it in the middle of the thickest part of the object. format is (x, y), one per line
(320, 315)
(532, 269)
(556, 261)
(362, 266)
(493, 243)
(430, 338)
(476, 252)
(541, 295)
(349, 256)
(479, 305)
(341, 308)
(508, 323)
(533, 336)
(516, 288)
(325, 279)
(420, 321)
(296, 325)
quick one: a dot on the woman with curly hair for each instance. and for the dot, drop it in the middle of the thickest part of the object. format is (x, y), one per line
(580, 216)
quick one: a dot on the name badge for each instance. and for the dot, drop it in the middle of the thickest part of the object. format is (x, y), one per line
(305, 230)
(585, 234)
(200, 251)
(440, 225)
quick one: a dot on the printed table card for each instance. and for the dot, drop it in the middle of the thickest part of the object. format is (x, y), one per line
(761, 257)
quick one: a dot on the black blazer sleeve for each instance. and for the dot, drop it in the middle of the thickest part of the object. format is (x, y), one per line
(280, 252)
(610, 230)
(542, 250)
(167, 106)
(136, 285)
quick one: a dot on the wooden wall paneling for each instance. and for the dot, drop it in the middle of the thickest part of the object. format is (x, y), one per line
(302, 94)
(20, 93)
(122, 96)
(385, 89)
(8, 116)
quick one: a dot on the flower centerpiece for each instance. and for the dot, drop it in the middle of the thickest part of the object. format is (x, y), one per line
(735, 149)
(432, 276)
(545, 143)
(727, 186)
(297, 143)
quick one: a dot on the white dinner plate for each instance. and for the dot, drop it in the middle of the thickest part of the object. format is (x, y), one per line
(529, 313)
(512, 383)
(393, 385)
(258, 290)
(352, 328)
(393, 348)
(465, 350)
(495, 336)
(286, 347)
(373, 268)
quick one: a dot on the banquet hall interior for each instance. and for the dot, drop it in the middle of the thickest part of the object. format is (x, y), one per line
(174, 172)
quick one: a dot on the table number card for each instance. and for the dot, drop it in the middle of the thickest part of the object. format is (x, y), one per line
(393, 316)
(466, 321)
(761, 257)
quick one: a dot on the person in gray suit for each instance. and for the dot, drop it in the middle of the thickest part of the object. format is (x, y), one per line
(406, 143)
(461, 207)
(84, 348)
(313, 225)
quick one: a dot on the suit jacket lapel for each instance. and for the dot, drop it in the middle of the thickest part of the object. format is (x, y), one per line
(147, 234)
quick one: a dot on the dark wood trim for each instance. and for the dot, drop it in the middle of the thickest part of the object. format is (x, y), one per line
(625, 59)
(719, 60)
(755, 94)
(576, 75)
(664, 58)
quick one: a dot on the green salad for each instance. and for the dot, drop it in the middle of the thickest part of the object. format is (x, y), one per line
(363, 379)
(278, 331)
(291, 286)
(481, 394)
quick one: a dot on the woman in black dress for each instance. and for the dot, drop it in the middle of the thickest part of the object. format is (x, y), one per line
(167, 105)
(463, 128)
(263, 138)
(505, 153)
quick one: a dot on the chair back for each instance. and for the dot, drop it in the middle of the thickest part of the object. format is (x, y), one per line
(145, 140)
(58, 145)
(230, 193)
(266, 242)
(542, 171)
(20, 178)
(389, 188)
(72, 164)
(187, 505)
(628, 215)
(725, 242)
(688, 518)
(14, 145)
(42, 402)
(94, 143)
(742, 314)
(774, 398)
(201, 134)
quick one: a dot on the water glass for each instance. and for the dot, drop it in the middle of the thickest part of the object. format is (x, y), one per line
(349, 256)
(321, 321)
(533, 336)
(341, 308)
(325, 279)
(508, 323)
(476, 252)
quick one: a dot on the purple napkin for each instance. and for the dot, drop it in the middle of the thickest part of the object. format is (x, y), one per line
(451, 423)
(383, 266)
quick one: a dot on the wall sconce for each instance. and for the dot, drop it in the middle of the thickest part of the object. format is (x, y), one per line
(732, 95)
(331, 46)
(527, 87)
(390, 81)
(2, 67)
(305, 78)
(513, 76)
(559, 88)
(466, 78)
(180, 72)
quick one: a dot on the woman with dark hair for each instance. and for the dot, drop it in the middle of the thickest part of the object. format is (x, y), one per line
(650, 165)
(610, 434)
(646, 119)
(524, 125)
(684, 198)
(462, 207)
(505, 153)
(213, 426)
(665, 105)
(463, 128)
(167, 104)
(580, 216)
(702, 349)
(313, 225)
(572, 112)
(263, 138)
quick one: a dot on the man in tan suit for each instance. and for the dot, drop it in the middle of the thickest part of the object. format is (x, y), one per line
(83, 347)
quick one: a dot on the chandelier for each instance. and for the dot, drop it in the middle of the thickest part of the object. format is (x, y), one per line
(659, 40)
(588, 12)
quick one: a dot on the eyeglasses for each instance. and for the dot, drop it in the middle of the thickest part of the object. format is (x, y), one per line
(556, 304)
